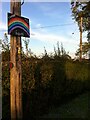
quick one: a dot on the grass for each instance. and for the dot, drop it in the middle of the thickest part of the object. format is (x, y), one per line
(77, 108)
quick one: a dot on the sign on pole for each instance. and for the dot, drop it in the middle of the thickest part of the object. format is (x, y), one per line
(18, 26)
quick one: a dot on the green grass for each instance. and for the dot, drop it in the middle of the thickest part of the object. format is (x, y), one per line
(77, 108)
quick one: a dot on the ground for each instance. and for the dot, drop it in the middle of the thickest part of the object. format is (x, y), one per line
(76, 108)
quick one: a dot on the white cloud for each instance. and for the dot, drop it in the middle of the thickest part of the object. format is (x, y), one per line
(51, 38)
(3, 26)
(72, 55)
(45, 37)
(38, 25)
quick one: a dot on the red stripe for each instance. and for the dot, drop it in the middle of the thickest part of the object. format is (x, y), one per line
(17, 19)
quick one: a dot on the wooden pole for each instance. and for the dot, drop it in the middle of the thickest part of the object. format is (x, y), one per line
(16, 70)
(80, 38)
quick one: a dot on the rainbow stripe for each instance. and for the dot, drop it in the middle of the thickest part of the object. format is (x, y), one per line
(17, 22)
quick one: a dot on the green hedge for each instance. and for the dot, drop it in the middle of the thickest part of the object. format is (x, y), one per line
(47, 82)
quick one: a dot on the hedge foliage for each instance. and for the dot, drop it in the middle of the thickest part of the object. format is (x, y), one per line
(46, 82)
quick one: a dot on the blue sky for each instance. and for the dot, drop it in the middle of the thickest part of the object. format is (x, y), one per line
(42, 14)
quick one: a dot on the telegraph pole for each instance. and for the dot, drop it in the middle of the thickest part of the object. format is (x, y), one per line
(81, 38)
(16, 70)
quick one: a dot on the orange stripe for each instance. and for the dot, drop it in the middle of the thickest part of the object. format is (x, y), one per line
(17, 19)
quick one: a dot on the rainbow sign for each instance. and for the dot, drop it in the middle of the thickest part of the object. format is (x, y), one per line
(18, 26)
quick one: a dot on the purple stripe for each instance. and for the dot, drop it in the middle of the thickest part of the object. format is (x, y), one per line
(18, 27)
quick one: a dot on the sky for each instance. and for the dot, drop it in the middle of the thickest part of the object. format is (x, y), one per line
(50, 22)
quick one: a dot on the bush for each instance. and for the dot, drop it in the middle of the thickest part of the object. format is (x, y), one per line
(46, 83)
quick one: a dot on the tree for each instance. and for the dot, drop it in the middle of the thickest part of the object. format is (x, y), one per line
(45, 52)
(26, 42)
(55, 52)
(85, 48)
(59, 52)
(5, 48)
(82, 9)
(5, 43)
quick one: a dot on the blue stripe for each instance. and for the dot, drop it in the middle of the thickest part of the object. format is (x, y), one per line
(10, 30)
(18, 24)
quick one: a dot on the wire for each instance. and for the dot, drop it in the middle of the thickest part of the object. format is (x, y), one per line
(47, 26)
(53, 26)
